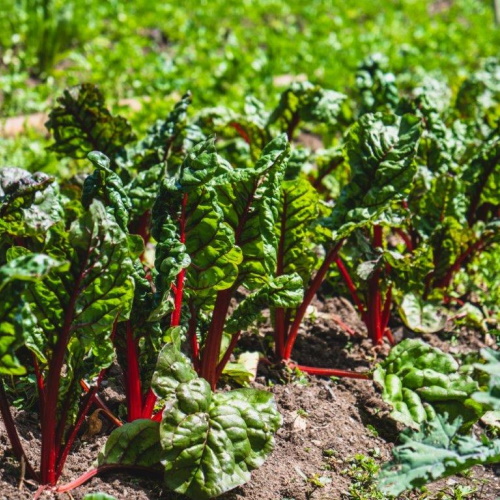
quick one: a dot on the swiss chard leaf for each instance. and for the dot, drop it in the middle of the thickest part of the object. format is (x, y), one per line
(29, 203)
(419, 381)
(16, 317)
(79, 307)
(283, 291)
(210, 441)
(381, 150)
(135, 443)
(81, 123)
(437, 450)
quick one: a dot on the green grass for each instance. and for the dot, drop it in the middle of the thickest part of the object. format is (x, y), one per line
(220, 53)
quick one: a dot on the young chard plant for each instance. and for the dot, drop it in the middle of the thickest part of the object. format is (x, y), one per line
(69, 273)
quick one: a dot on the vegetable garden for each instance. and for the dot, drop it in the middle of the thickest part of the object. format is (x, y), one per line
(251, 263)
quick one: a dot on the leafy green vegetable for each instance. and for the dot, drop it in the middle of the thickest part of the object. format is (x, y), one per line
(437, 450)
(81, 123)
(420, 316)
(418, 381)
(381, 150)
(16, 318)
(211, 442)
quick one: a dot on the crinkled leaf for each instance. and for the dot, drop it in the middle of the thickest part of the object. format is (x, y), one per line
(210, 441)
(307, 102)
(82, 304)
(377, 87)
(437, 450)
(134, 443)
(381, 149)
(16, 317)
(418, 380)
(298, 208)
(29, 203)
(421, 316)
(81, 123)
(247, 201)
(491, 397)
(283, 291)
(107, 186)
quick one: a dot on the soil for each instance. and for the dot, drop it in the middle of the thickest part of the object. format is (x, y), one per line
(326, 424)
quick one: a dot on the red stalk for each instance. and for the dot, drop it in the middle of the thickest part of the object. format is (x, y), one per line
(133, 378)
(11, 429)
(148, 404)
(386, 313)
(61, 459)
(40, 384)
(102, 405)
(50, 447)
(445, 281)
(407, 240)
(351, 287)
(241, 131)
(329, 372)
(311, 292)
(374, 297)
(211, 352)
(64, 488)
(175, 318)
(193, 340)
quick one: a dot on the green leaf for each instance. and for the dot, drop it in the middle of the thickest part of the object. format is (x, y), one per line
(79, 306)
(134, 443)
(29, 203)
(492, 396)
(418, 380)
(377, 87)
(437, 450)
(16, 317)
(81, 123)
(283, 291)
(106, 186)
(307, 102)
(381, 149)
(210, 441)
(421, 316)
(248, 203)
(298, 208)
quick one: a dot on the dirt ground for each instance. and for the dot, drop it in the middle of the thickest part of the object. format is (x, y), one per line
(333, 430)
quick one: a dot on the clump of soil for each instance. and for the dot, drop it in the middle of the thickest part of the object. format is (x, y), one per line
(326, 424)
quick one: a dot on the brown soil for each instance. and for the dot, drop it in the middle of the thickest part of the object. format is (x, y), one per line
(325, 424)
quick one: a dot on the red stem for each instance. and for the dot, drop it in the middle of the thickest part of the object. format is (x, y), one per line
(175, 318)
(61, 459)
(102, 405)
(386, 313)
(11, 429)
(227, 354)
(329, 372)
(211, 352)
(193, 340)
(279, 332)
(407, 240)
(311, 292)
(149, 404)
(374, 296)
(351, 287)
(50, 447)
(133, 378)
(40, 385)
(241, 131)
(445, 281)
(63, 488)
